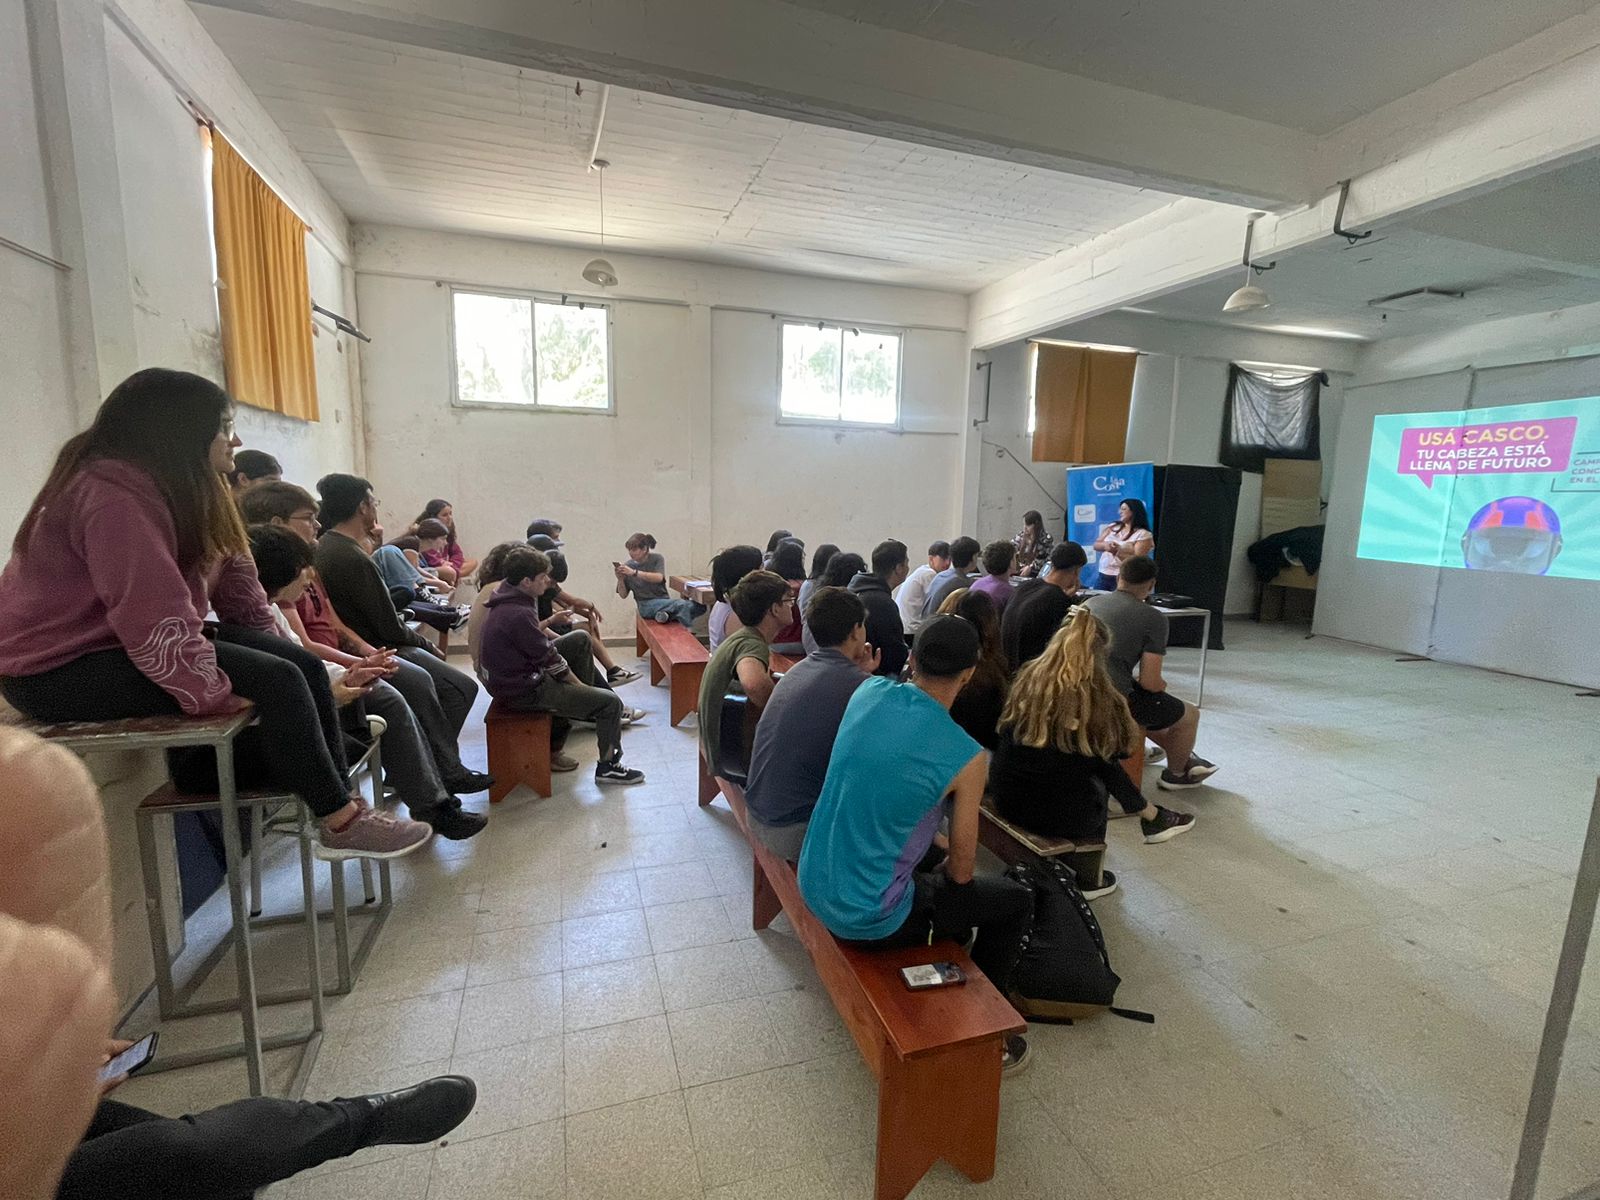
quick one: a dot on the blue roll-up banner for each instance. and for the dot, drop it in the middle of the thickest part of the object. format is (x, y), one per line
(1093, 496)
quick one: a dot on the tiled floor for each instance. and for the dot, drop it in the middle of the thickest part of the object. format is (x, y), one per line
(1348, 960)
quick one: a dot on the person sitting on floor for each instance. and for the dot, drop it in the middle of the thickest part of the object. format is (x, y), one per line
(63, 1138)
(959, 574)
(911, 594)
(794, 737)
(1033, 545)
(788, 562)
(841, 569)
(1138, 644)
(727, 568)
(525, 668)
(349, 510)
(996, 583)
(1063, 735)
(644, 577)
(450, 554)
(1040, 605)
(977, 708)
(284, 564)
(131, 539)
(762, 602)
(251, 467)
(404, 685)
(869, 869)
(890, 566)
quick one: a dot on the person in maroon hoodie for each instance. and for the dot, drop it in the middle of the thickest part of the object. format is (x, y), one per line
(523, 666)
(132, 538)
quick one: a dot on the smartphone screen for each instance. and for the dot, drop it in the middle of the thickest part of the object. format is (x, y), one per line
(131, 1059)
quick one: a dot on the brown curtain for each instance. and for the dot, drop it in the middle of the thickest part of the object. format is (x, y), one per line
(265, 296)
(1080, 403)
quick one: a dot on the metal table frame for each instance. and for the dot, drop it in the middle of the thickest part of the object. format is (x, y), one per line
(1205, 641)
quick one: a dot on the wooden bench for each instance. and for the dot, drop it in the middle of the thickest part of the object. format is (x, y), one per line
(519, 750)
(1014, 844)
(936, 1054)
(676, 655)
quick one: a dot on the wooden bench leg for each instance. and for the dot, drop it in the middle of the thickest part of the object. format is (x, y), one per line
(765, 904)
(945, 1105)
(708, 783)
(519, 752)
(657, 671)
(639, 646)
(686, 679)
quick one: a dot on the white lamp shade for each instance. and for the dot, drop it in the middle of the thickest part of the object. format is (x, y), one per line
(602, 274)
(1246, 299)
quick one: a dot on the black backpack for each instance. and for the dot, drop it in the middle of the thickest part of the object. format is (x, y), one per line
(1064, 972)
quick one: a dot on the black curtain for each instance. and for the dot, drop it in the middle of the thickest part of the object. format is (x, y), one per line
(1270, 415)
(1193, 519)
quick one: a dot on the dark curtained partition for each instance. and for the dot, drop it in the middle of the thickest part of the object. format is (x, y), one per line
(1193, 519)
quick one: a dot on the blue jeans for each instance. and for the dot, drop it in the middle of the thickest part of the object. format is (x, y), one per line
(682, 611)
(1106, 583)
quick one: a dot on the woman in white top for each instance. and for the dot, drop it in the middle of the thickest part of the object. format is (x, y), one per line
(727, 568)
(1118, 542)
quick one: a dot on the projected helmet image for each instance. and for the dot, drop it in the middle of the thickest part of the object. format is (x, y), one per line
(1514, 533)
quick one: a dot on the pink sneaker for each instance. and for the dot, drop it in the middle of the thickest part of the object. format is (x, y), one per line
(372, 834)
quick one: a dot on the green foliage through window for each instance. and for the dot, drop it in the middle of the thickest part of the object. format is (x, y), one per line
(518, 351)
(835, 373)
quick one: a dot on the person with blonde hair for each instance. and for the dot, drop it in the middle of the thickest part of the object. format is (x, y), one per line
(1063, 732)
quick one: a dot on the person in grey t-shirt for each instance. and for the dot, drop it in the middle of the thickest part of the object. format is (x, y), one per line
(794, 739)
(644, 577)
(1138, 644)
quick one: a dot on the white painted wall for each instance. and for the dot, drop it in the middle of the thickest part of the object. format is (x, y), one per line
(694, 454)
(1179, 394)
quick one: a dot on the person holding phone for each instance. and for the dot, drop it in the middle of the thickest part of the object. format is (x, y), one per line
(284, 564)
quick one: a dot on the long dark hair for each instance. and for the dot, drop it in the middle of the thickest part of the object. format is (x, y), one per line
(431, 511)
(1141, 516)
(819, 560)
(162, 422)
(789, 561)
(777, 536)
(732, 565)
(992, 670)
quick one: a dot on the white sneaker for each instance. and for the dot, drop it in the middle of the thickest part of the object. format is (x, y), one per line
(631, 716)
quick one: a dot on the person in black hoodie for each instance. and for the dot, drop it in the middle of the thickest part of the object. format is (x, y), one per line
(524, 668)
(890, 566)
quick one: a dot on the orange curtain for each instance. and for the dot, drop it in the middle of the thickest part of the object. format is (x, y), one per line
(264, 295)
(1080, 403)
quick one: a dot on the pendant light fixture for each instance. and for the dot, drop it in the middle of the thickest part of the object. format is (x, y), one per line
(599, 271)
(1249, 298)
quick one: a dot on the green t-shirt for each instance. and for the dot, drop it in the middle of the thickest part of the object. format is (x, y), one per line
(722, 677)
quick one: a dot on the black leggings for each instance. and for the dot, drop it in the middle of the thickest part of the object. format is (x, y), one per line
(223, 1153)
(1074, 805)
(295, 745)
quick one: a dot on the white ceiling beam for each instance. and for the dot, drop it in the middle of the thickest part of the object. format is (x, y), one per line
(1529, 109)
(791, 62)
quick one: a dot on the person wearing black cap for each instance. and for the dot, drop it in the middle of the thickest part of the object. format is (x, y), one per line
(869, 869)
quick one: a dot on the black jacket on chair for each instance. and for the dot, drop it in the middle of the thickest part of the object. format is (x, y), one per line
(884, 629)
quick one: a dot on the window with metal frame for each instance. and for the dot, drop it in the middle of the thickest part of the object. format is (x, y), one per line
(525, 351)
(839, 374)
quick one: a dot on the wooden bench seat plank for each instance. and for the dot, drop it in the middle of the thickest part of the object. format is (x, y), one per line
(677, 656)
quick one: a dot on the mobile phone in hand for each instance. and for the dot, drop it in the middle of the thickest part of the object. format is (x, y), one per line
(932, 975)
(130, 1060)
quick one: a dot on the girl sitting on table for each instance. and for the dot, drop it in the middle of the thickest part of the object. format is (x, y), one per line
(1125, 537)
(644, 577)
(1032, 545)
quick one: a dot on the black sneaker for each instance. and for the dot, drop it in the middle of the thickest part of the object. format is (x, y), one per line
(1200, 768)
(615, 772)
(1106, 885)
(1015, 1056)
(1170, 781)
(457, 824)
(618, 676)
(469, 783)
(1166, 825)
(424, 1112)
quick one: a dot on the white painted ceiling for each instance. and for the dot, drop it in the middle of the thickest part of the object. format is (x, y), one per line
(1308, 64)
(420, 138)
(1528, 248)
